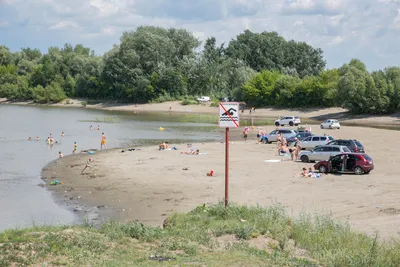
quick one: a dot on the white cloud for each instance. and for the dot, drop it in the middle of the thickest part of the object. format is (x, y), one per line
(365, 29)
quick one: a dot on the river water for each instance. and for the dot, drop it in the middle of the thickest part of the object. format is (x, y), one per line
(24, 203)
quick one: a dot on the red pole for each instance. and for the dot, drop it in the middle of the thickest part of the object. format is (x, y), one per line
(226, 165)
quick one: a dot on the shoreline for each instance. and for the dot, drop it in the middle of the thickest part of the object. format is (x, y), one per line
(148, 185)
(313, 114)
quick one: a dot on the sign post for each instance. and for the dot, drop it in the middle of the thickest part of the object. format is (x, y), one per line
(228, 118)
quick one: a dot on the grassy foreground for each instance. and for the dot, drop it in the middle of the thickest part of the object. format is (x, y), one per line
(207, 236)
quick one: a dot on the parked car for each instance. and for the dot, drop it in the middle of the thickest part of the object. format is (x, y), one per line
(322, 153)
(291, 120)
(346, 163)
(315, 140)
(272, 136)
(353, 145)
(330, 124)
(204, 99)
(300, 136)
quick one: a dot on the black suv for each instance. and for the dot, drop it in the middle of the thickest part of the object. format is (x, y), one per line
(353, 145)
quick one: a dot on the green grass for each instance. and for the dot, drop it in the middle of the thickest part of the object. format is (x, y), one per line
(195, 239)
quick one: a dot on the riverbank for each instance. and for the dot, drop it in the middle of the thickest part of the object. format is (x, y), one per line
(148, 185)
(315, 114)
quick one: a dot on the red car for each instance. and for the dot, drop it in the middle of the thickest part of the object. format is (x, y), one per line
(357, 163)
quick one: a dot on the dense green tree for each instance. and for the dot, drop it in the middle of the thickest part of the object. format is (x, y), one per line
(158, 64)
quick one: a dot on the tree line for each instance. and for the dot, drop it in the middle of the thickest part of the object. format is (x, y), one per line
(158, 64)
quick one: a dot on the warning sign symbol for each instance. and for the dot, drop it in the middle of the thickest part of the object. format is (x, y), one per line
(228, 114)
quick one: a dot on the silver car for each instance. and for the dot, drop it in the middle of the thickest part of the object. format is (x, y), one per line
(314, 141)
(272, 136)
(322, 153)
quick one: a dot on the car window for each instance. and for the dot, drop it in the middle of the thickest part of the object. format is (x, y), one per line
(323, 138)
(351, 157)
(318, 149)
(274, 132)
(307, 139)
(296, 117)
(335, 149)
(340, 143)
(367, 157)
(358, 144)
(346, 149)
(315, 139)
(327, 121)
(284, 131)
(327, 149)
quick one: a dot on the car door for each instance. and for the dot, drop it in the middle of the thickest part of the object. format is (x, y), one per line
(323, 140)
(326, 153)
(306, 143)
(335, 151)
(272, 136)
(317, 154)
(315, 141)
(325, 124)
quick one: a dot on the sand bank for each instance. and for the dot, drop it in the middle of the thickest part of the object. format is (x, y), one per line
(147, 184)
(318, 114)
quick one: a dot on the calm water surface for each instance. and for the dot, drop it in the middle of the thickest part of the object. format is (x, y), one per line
(22, 201)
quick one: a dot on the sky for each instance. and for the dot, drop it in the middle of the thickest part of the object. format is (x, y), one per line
(344, 29)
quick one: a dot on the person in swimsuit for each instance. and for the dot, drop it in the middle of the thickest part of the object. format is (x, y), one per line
(37, 138)
(62, 134)
(75, 148)
(91, 127)
(103, 141)
(98, 127)
(60, 155)
(30, 138)
(245, 133)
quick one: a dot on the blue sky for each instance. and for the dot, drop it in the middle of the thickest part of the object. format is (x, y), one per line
(344, 29)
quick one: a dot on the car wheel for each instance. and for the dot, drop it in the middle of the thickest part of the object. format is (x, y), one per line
(304, 159)
(296, 124)
(291, 123)
(338, 128)
(322, 169)
(358, 170)
(276, 124)
(322, 127)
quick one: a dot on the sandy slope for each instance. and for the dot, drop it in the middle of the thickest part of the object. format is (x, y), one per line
(148, 184)
(313, 113)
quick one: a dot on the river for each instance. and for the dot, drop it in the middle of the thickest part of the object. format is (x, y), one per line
(22, 202)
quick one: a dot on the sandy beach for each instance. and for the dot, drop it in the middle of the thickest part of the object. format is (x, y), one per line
(148, 185)
(317, 114)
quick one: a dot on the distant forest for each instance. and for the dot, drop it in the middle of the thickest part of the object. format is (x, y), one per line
(154, 64)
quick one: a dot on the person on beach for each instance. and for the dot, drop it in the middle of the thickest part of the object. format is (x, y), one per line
(87, 166)
(62, 134)
(166, 145)
(306, 174)
(75, 148)
(91, 127)
(60, 155)
(245, 133)
(103, 141)
(193, 152)
(259, 134)
(162, 146)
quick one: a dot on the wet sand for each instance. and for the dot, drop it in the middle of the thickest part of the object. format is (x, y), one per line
(148, 185)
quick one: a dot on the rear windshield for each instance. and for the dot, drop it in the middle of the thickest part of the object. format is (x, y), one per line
(345, 149)
(358, 144)
(367, 157)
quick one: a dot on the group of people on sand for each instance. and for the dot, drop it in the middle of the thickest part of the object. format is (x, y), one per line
(163, 145)
(309, 174)
(283, 148)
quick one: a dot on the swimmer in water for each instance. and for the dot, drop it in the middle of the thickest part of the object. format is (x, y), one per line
(103, 141)
(30, 138)
(37, 138)
(60, 155)
(62, 134)
(75, 148)
(91, 127)
(48, 140)
(98, 127)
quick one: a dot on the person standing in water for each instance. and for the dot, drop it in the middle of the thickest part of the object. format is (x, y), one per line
(60, 155)
(62, 134)
(30, 138)
(75, 148)
(91, 127)
(103, 141)
(98, 127)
